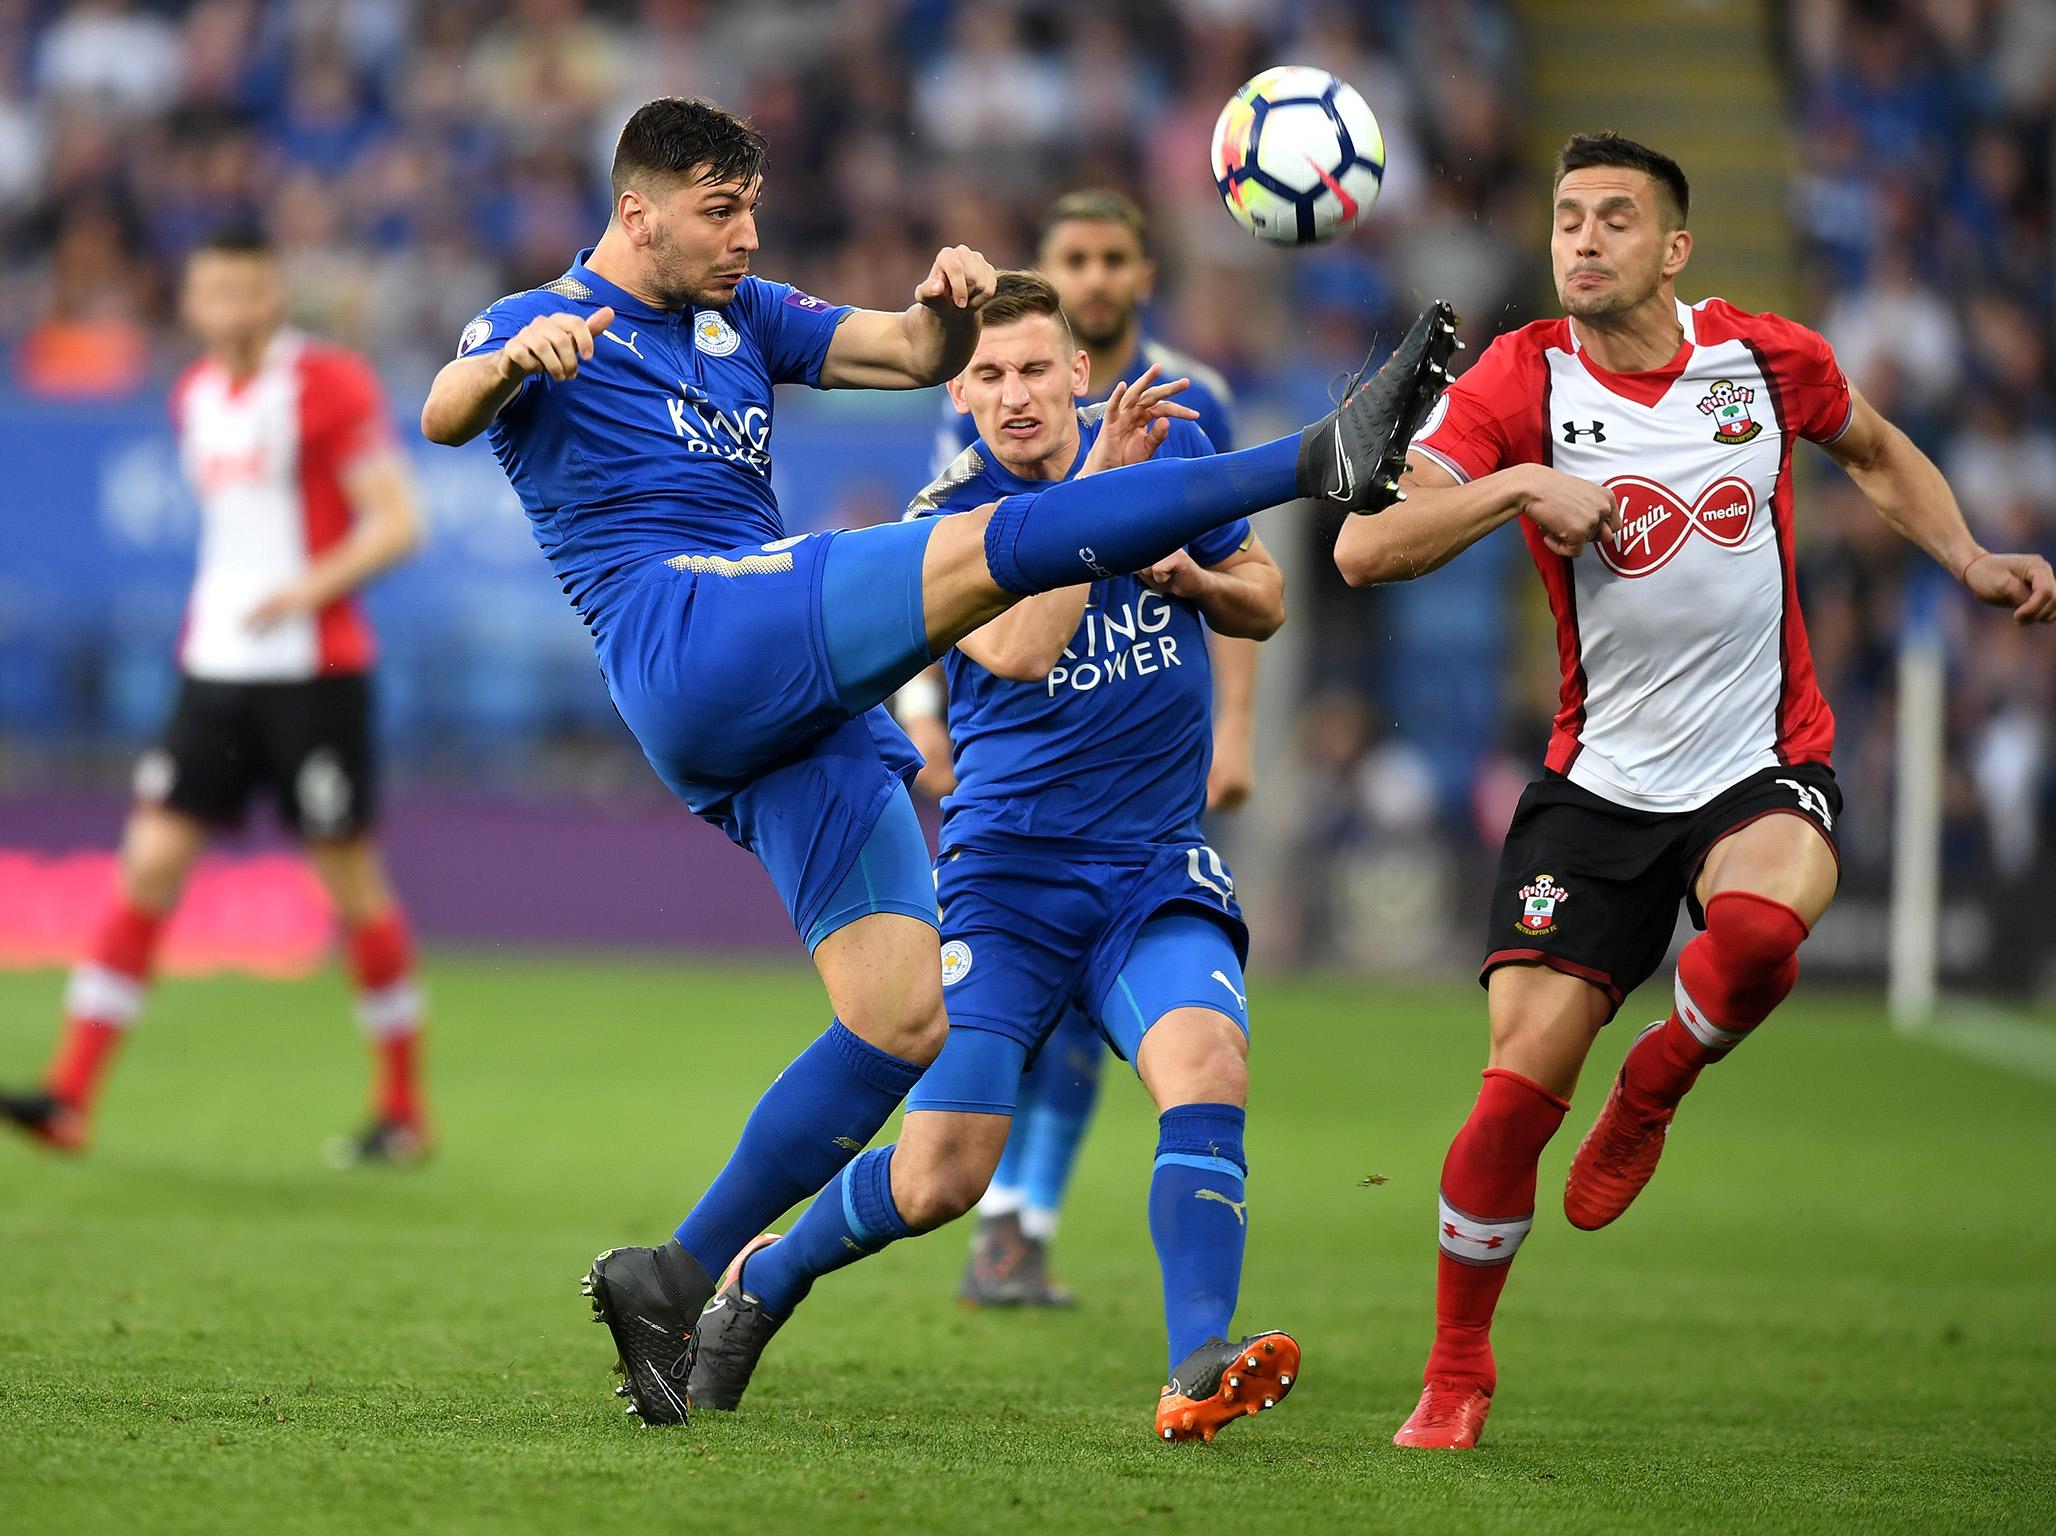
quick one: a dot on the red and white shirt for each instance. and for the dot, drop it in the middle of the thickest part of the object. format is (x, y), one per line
(267, 456)
(1685, 662)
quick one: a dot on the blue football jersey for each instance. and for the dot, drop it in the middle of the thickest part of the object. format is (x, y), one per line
(662, 443)
(1209, 395)
(1110, 752)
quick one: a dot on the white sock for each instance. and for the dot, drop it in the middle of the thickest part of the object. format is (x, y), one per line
(999, 1200)
(1039, 1225)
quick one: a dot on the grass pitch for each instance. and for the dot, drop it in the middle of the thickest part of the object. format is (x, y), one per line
(1833, 1311)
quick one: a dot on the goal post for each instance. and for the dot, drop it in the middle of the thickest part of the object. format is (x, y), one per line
(1916, 923)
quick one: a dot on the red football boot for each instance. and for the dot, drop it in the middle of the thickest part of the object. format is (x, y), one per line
(59, 1126)
(1616, 1157)
(1449, 1417)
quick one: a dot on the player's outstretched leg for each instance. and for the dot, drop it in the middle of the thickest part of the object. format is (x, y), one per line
(1728, 980)
(1009, 1264)
(1082, 529)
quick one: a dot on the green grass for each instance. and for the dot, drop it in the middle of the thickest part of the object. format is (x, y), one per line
(1832, 1312)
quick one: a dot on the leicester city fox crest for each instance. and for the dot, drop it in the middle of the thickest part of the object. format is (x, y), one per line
(1728, 404)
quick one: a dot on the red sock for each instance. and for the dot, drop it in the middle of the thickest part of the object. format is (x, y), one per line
(1487, 1207)
(105, 994)
(389, 1009)
(1729, 979)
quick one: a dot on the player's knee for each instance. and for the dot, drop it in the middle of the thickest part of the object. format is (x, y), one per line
(1195, 1056)
(937, 1189)
(912, 1029)
(1747, 961)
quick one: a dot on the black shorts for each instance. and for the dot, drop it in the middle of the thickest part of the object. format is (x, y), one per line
(1591, 888)
(306, 743)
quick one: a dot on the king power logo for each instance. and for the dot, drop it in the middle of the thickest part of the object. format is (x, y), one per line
(741, 437)
(1656, 523)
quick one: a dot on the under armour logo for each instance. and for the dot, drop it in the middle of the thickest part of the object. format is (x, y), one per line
(1239, 1207)
(1572, 432)
(1494, 1241)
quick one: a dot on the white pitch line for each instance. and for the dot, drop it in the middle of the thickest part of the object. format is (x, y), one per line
(1991, 1035)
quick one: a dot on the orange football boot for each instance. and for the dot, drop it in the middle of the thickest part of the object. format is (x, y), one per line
(1449, 1417)
(1220, 1382)
(1615, 1159)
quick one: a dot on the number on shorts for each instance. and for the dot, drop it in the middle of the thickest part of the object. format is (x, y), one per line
(1811, 801)
(1206, 868)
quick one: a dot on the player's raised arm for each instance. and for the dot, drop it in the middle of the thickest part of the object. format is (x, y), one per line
(929, 341)
(470, 391)
(1908, 491)
(1439, 519)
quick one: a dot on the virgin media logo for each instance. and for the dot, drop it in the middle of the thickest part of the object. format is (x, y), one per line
(1655, 524)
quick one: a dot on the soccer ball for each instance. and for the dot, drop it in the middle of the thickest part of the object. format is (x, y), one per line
(1298, 158)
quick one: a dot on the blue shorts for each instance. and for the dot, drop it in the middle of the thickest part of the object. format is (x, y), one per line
(1026, 935)
(753, 679)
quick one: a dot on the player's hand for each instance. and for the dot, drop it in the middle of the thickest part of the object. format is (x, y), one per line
(555, 344)
(960, 279)
(1176, 575)
(1138, 419)
(2023, 583)
(283, 604)
(1570, 512)
(1232, 778)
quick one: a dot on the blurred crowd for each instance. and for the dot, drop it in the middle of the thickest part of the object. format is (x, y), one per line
(415, 159)
(1925, 134)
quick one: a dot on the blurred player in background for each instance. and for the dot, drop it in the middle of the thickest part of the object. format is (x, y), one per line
(1074, 875)
(1094, 247)
(303, 499)
(1690, 754)
(630, 403)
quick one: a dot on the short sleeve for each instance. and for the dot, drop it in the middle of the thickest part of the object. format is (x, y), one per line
(493, 328)
(1813, 391)
(343, 409)
(791, 329)
(1488, 418)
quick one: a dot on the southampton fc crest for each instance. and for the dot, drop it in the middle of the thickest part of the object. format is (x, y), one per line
(1728, 404)
(1539, 902)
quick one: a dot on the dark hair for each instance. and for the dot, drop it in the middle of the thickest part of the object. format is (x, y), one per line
(1018, 295)
(1095, 205)
(674, 135)
(1585, 150)
(239, 237)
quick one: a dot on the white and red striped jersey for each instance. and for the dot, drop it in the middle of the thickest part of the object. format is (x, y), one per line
(267, 456)
(1684, 657)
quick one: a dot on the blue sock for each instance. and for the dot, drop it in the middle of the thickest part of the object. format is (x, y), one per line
(1198, 1218)
(820, 1113)
(1057, 1103)
(853, 1217)
(1109, 524)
